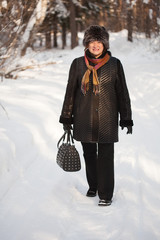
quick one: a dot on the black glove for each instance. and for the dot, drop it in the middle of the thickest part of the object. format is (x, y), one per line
(67, 127)
(129, 129)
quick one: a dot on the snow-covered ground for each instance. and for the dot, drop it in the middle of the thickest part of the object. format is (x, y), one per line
(38, 201)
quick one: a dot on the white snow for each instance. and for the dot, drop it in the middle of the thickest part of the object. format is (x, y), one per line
(41, 9)
(38, 201)
(4, 4)
(146, 1)
(60, 9)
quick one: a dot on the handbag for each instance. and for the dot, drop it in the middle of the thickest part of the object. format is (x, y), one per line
(67, 156)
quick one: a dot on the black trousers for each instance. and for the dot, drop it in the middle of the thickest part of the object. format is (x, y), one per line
(99, 161)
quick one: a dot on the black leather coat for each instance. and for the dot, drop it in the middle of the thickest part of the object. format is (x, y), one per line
(95, 117)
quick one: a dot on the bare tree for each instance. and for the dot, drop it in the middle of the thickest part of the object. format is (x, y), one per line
(36, 18)
(20, 20)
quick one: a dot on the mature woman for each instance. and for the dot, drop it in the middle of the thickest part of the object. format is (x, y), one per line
(96, 95)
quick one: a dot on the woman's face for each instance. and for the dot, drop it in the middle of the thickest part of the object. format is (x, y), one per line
(96, 48)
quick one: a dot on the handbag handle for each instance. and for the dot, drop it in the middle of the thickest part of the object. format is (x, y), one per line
(69, 137)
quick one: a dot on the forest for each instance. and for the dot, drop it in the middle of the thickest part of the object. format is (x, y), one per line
(25, 23)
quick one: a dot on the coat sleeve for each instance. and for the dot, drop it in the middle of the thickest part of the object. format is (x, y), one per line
(68, 104)
(124, 105)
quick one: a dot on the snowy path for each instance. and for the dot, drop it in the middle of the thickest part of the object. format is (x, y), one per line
(38, 201)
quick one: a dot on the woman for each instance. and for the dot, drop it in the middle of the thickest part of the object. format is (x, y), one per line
(96, 95)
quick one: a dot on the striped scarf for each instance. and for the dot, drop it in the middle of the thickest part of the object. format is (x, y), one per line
(99, 62)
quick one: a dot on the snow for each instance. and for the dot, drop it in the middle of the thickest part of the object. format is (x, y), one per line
(146, 1)
(38, 201)
(60, 9)
(4, 4)
(41, 9)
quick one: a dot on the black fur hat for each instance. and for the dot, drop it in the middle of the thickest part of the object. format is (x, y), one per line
(96, 33)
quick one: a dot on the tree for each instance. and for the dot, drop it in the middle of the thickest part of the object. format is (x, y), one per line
(36, 18)
(73, 27)
(130, 20)
(20, 21)
(55, 19)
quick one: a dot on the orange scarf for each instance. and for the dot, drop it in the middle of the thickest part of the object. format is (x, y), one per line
(85, 80)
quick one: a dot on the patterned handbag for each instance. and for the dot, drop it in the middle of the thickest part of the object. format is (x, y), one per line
(68, 157)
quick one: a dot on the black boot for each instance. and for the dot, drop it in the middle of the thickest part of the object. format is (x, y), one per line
(104, 202)
(91, 192)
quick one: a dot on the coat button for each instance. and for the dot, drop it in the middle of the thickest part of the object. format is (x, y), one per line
(96, 109)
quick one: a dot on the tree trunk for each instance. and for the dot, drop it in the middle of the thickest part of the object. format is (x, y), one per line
(55, 44)
(147, 22)
(139, 18)
(63, 34)
(48, 40)
(130, 24)
(73, 28)
(35, 20)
